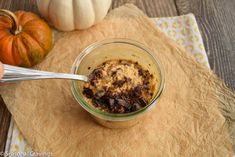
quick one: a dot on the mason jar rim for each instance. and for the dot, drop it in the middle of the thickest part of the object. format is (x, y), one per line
(114, 116)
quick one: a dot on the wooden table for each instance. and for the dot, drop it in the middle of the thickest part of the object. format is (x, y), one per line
(216, 20)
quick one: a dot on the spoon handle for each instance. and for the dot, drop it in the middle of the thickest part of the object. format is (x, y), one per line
(13, 73)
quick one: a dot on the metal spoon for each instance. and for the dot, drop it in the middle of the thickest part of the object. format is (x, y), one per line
(13, 73)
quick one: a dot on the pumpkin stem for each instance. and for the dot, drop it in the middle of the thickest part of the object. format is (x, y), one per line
(16, 29)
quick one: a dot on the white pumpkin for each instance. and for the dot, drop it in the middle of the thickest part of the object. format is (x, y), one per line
(68, 15)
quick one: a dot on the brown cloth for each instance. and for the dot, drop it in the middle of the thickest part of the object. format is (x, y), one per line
(186, 122)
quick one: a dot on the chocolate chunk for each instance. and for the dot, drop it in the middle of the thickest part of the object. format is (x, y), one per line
(119, 83)
(88, 92)
(113, 73)
(94, 76)
(99, 93)
(123, 103)
(147, 74)
(144, 73)
(146, 81)
(89, 68)
(142, 102)
(93, 82)
(109, 93)
(104, 100)
(137, 91)
(146, 87)
(95, 102)
(141, 72)
(111, 103)
(135, 107)
(97, 73)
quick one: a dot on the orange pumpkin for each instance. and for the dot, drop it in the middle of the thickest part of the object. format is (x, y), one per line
(25, 39)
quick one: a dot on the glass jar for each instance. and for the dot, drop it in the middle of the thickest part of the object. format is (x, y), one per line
(110, 49)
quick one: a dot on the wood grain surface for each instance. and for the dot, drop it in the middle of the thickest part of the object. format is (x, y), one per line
(216, 20)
